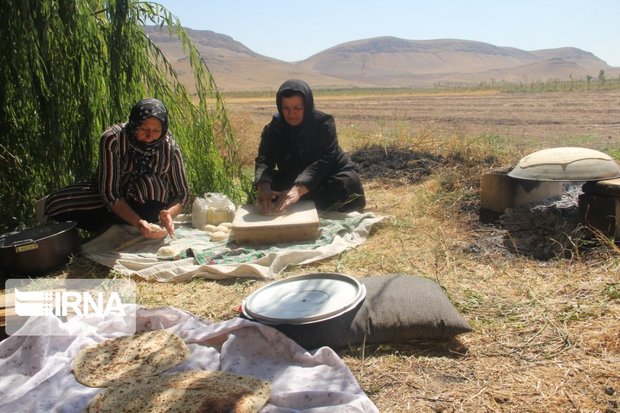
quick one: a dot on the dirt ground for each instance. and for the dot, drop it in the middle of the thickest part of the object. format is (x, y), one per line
(545, 321)
(546, 334)
(398, 137)
(530, 120)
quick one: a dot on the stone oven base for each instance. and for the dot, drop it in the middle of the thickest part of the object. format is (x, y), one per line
(599, 205)
(499, 192)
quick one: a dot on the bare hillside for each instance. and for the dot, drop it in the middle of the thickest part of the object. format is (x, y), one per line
(382, 62)
(389, 61)
(234, 66)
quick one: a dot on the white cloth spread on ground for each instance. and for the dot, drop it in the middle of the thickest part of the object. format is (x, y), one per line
(35, 371)
(123, 248)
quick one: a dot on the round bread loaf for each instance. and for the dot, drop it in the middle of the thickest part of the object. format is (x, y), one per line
(129, 357)
(186, 392)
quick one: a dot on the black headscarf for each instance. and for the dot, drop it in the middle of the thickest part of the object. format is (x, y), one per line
(292, 86)
(142, 152)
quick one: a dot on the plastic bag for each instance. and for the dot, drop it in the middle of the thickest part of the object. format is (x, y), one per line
(200, 211)
(214, 209)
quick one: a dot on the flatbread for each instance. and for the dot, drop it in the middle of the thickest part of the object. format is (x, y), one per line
(187, 392)
(129, 357)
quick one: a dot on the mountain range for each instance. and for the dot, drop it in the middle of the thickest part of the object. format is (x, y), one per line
(381, 62)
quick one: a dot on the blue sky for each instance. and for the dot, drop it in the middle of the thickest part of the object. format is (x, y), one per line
(295, 30)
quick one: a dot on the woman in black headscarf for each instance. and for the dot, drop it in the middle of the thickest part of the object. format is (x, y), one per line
(299, 158)
(140, 178)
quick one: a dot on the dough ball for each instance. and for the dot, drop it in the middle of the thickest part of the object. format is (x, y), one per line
(155, 227)
(226, 224)
(208, 228)
(219, 236)
(166, 251)
(222, 228)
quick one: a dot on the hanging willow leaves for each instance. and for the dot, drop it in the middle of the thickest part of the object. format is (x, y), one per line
(70, 68)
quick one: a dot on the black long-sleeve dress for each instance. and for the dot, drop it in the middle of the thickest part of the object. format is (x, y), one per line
(309, 155)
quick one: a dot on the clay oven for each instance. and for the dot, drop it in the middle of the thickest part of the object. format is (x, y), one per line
(547, 174)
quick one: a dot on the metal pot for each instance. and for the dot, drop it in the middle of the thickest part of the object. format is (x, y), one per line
(38, 250)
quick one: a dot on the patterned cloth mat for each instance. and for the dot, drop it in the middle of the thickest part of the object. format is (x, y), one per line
(122, 248)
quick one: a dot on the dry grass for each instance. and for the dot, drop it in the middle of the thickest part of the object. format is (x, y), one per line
(546, 333)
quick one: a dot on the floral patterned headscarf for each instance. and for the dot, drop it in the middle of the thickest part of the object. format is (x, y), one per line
(142, 152)
(143, 109)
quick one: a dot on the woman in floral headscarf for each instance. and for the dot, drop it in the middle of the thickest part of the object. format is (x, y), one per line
(140, 178)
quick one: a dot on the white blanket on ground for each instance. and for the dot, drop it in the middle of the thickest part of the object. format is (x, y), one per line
(123, 248)
(35, 371)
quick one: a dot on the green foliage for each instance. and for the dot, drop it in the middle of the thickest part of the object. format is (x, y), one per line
(538, 86)
(71, 68)
(612, 291)
(613, 151)
(473, 300)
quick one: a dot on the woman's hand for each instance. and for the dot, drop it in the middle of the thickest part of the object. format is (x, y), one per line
(152, 231)
(148, 230)
(265, 198)
(165, 217)
(290, 197)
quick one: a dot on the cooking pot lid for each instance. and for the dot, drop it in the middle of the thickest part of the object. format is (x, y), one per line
(304, 299)
(38, 233)
(570, 164)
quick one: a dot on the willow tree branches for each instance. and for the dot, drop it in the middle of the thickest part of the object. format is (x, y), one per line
(70, 68)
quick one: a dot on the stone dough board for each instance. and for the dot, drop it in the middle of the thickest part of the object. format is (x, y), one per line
(300, 222)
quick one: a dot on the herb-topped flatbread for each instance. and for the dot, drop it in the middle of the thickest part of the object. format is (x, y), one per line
(129, 357)
(187, 392)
